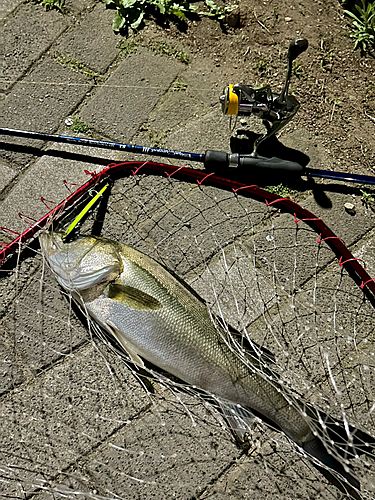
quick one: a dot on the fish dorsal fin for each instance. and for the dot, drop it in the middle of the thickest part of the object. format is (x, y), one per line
(125, 344)
(132, 297)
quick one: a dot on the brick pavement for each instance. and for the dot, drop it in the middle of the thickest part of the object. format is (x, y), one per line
(65, 417)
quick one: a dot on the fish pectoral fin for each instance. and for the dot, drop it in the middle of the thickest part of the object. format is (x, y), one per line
(125, 344)
(132, 297)
(85, 277)
(240, 420)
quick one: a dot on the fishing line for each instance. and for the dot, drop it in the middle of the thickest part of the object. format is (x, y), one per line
(105, 85)
(265, 266)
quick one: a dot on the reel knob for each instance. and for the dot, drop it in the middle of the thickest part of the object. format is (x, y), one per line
(296, 48)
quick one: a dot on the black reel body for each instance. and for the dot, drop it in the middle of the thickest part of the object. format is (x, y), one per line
(275, 110)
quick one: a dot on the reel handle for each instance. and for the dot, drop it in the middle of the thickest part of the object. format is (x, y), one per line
(295, 49)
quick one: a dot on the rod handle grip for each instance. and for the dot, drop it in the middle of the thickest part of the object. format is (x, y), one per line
(270, 165)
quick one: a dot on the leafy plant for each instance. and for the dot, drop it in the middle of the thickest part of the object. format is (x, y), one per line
(50, 4)
(280, 190)
(75, 124)
(368, 199)
(364, 25)
(217, 12)
(130, 13)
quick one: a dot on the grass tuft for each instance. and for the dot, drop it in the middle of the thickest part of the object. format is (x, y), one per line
(74, 65)
(363, 19)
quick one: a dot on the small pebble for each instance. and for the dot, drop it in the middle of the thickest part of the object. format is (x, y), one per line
(68, 122)
(349, 207)
(288, 19)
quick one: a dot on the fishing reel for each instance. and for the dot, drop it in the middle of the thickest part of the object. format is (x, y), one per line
(275, 110)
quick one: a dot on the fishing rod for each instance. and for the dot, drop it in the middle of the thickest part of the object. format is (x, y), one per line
(275, 111)
(214, 161)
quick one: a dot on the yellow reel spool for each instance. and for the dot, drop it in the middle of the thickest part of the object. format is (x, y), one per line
(232, 100)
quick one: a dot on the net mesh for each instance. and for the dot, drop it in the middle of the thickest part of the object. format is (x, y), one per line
(79, 421)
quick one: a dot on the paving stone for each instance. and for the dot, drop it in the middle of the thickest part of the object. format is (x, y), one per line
(190, 137)
(6, 7)
(291, 251)
(364, 250)
(65, 413)
(247, 480)
(161, 455)
(11, 373)
(41, 323)
(119, 108)
(347, 226)
(34, 37)
(93, 41)
(178, 107)
(39, 106)
(45, 178)
(232, 286)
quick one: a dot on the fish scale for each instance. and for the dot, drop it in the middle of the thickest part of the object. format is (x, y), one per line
(157, 317)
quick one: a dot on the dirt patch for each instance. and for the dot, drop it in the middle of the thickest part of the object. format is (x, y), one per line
(334, 84)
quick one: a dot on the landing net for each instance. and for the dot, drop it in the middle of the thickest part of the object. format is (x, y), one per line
(78, 421)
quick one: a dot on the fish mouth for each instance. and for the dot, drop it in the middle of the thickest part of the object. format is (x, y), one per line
(50, 243)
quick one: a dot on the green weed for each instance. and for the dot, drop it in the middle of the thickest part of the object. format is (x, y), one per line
(130, 13)
(280, 190)
(50, 4)
(164, 49)
(364, 24)
(73, 64)
(297, 70)
(179, 86)
(127, 47)
(368, 199)
(261, 66)
(75, 124)
(326, 59)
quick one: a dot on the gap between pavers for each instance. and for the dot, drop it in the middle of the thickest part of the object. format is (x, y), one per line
(36, 30)
(65, 413)
(7, 174)
(92, 42)
(119, 108)
(39, 103)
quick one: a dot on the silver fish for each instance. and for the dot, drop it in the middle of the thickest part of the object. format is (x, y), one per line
(156, 317)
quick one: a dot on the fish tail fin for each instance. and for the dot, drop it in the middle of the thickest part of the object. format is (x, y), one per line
(316, 449)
